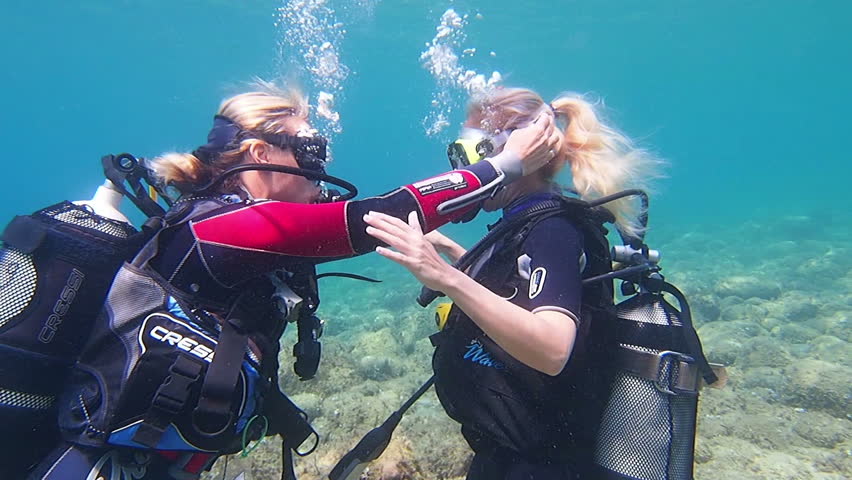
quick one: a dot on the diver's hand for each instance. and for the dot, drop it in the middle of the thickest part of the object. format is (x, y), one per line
(536, 144)
(411, 248)
(445, 245)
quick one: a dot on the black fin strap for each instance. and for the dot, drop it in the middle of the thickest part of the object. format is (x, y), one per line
(169, 400)
(213, 414)
(690, 336)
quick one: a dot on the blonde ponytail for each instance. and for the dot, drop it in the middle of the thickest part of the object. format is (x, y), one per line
(603, 161)
(179, 169)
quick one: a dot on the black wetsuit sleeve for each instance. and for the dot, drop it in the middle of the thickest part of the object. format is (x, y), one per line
(552, 256)
(234, 243)
(334, 230)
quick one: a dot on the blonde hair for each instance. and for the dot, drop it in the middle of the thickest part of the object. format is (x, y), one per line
(603, 161)
(264, 111)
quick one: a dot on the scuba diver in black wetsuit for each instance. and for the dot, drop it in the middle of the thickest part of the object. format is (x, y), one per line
(519, 362)
(181, 366)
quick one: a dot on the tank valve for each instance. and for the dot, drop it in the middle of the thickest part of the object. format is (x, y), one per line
(628, 254)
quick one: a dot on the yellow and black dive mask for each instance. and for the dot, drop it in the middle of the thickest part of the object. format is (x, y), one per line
(473, 145)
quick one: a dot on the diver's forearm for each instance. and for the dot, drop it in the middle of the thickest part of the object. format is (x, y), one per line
(542, 341)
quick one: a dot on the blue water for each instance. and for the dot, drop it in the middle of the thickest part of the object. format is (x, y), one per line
(747, 101)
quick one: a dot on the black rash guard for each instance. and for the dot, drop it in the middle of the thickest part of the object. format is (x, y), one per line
(502, 404)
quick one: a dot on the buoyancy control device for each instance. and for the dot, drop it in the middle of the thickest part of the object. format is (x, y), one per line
(56, 268)
(651, 350)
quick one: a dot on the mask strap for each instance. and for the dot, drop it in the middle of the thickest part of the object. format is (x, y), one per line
(221, 137)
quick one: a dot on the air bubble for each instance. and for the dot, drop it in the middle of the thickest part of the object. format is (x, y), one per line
(442, 62)
(311, 36)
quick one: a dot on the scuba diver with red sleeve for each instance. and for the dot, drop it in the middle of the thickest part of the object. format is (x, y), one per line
(181, 365)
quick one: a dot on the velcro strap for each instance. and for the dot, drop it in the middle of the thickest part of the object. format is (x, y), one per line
(169, 400)
(672, 372)
(213, 414)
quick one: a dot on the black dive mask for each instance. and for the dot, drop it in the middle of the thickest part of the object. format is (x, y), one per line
(311, 153)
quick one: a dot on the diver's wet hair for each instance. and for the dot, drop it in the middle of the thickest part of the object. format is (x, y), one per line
(603, 160)
(264, 110)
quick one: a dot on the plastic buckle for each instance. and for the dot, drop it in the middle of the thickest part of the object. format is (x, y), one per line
(669, 368)
(172, 394)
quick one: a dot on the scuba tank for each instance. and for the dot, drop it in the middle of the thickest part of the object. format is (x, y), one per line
(647, 431)
(106, 202)
(654, 362)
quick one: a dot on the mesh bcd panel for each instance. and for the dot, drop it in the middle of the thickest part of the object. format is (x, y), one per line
(18, 280)
(67, 212)
(647, 434)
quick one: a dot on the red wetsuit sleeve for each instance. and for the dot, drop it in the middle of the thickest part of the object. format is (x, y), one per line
(334, 230)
